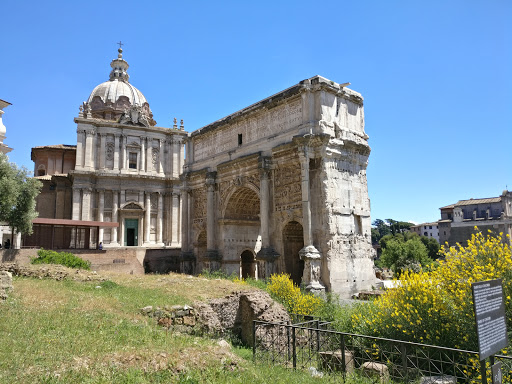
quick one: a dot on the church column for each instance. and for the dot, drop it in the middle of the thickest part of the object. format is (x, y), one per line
(79, 148)
(175, 158)
(212, 253)
(149, 155)
(267, 254)
(103, 139)
(161, 160)
(89, 149)
(116, 151)
(86, 204)
(181, 157)
(159, 219)
(147, 219)
(310, 255)
(76, 204)
(143, 154)
(125, 157)
(115, 219)
(175, 212)
(101, 208)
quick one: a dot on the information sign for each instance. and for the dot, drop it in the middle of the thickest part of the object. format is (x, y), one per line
(491, 326)
(497, 377)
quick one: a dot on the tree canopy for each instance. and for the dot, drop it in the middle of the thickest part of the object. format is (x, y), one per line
(382, 228)
(18, 192)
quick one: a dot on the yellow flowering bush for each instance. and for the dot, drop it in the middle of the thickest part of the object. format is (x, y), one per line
(436, 307)
(282, 288)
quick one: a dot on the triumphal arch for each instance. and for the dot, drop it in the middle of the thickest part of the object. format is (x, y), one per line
(280, 186)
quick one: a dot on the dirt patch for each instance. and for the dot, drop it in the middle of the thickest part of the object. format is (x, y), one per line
(50, 271)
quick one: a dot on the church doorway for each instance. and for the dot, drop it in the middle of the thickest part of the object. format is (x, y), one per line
(131, 232)
(248, 265)
(293, 241)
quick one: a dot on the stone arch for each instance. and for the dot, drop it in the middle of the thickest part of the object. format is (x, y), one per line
(243, 203)
(247, 264)
(293, 242)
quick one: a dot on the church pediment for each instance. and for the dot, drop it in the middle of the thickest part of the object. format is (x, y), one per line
(132, 207)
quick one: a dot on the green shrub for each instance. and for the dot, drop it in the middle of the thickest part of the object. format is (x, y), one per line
(282, 289)
(46, 256)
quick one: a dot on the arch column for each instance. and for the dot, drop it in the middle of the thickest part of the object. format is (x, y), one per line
(115, 207)
(267, 255)
(187, 257)
(310, 255)
(212, 253)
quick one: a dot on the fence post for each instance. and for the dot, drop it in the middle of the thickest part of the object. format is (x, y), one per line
(254, 340)
(343, 362)
(317, 336)
(483, 371)
(403, 350)
(294, 349)
(289, 342)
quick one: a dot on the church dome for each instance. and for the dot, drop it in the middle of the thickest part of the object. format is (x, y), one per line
(117, 99)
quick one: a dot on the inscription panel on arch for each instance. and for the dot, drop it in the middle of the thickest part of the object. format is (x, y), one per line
(268, 123)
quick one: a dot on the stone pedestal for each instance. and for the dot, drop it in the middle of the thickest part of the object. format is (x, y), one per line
(188, 263)
(312, 263)
(266, 259)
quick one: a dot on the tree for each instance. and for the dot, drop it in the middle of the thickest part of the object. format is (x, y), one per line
(400, 255)
(432, 245)
(17, 197)
(380, 230)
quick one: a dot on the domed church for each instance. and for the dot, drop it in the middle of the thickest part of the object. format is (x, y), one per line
(279, 186)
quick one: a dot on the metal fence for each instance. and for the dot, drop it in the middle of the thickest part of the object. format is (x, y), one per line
(311, 343)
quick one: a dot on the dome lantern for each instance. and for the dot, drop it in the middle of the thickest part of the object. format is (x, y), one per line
(117, 99)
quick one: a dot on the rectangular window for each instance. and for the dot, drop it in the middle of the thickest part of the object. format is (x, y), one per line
(239, 139)
(132, 160)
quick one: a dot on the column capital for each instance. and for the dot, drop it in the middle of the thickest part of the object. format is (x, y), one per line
(211, 178)
(90, 132)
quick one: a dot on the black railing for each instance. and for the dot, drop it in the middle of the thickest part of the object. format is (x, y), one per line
(311, 343)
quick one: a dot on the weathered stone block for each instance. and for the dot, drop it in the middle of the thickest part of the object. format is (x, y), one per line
(377, 370)
(333, 361)
(5, 284)
(189, 320)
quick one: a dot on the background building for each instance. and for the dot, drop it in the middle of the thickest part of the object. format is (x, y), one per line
(458, 220)
(427, 229)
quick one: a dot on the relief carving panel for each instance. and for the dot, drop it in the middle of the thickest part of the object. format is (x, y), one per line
(287, 188)
(199, 205)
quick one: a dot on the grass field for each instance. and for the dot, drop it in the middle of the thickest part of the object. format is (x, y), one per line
(90, 332)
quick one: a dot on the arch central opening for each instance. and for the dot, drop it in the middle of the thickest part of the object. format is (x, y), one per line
(244, 204)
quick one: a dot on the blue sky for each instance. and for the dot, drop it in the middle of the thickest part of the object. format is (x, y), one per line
(436, 77)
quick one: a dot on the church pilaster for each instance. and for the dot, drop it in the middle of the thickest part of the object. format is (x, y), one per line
(116, 151)
(101, 208)
(159, 220)
(147, 219)
(115, 207)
